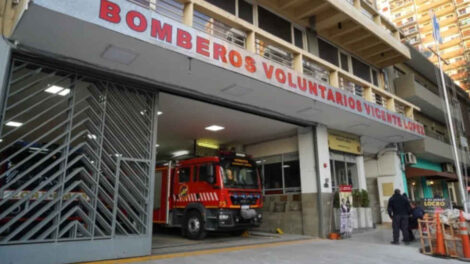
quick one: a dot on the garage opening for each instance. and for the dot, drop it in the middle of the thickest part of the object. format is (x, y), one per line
(208, 161)
(81, 157)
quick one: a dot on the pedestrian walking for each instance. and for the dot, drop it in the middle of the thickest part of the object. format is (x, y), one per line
(416, 213)
(399, 211)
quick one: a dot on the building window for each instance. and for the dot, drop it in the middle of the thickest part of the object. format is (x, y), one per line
(344, 170)
(204, 172)
(361, 69)
(184, 174)
(280, 173)
(227, 5)
(375, 77)
(328, 52)
(245, 11)
(344, 62)
(298, 38)
(274, 24)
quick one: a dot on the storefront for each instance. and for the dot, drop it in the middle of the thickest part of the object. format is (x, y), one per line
(427, 180)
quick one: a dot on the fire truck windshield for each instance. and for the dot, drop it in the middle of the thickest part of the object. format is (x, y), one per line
(239, 173)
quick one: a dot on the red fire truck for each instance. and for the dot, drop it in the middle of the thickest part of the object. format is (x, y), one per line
(219, 193)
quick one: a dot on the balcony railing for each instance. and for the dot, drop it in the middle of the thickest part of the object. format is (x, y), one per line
(274, 52)
(430, 133)
(351, 86)
(219, 29)
(316, 71)
(203, 17)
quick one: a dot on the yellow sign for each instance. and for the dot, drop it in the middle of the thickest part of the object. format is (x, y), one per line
(387, 189)
(344, 142)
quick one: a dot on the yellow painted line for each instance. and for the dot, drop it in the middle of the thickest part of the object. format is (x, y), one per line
(201, 252)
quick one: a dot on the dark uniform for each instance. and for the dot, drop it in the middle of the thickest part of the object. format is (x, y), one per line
(399, 210)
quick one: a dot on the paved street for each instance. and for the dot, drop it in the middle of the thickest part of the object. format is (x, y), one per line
(368, 247)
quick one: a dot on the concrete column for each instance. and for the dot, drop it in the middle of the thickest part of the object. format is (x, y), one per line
(315, 178)
(323, 152)
(391, 104)
(188, 13)
(251, 42)
(361, 173)
(307, 160)
(334, 79)
(298, 63)
(5, 53)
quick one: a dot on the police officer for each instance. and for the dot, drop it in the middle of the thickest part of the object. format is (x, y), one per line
(399, 210)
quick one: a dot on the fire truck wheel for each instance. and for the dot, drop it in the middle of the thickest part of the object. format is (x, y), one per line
(194, 226)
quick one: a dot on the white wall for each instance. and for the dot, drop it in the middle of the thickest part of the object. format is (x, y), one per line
(387, 169)
(307, 160)
(323, 158)
(273, 147)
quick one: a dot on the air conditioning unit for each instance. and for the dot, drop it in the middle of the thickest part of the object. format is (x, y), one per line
(448, 167)
(410, 158)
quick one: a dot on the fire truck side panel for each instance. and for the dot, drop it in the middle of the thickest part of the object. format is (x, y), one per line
(161, 202)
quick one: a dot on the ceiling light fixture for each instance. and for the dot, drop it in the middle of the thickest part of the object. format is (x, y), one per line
(92, 136)
(207, 145)
(215, 128)
(56, 89)
(180, 153)
(14, 124)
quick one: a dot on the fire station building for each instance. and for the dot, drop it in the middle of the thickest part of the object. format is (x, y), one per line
(95, 94)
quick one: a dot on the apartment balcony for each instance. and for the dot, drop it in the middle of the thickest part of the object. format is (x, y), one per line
(459, 76)
(462, 2)
(444, 34)
(445, 11)
(442, 24)
(397, 5)
(453, 53)
(450, 43)
(349, 24)
(431, 148)
(412, 91)
(430, 4)
(454, 65)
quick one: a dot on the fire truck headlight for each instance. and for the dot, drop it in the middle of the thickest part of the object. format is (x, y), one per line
(223, 217)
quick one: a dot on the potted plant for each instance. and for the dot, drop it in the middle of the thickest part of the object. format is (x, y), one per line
(336, 211)
(365, 203)
(355, 212)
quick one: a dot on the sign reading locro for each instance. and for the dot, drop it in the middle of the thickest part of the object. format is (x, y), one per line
(145, 24)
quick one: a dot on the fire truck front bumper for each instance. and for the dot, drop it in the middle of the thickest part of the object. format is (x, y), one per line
(239, 218)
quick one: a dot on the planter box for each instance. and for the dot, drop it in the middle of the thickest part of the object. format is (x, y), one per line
(361, 217)
(355, 218)
(369, 219)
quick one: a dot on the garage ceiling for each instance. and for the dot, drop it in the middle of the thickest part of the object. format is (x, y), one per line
(184, 120)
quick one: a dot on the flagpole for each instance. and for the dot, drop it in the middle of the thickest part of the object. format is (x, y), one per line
(451, 127)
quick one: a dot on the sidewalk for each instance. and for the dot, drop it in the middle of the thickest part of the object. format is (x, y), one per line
(363, 248)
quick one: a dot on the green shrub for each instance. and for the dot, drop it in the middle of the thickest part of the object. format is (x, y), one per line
(336, 200)
(356, 196)
(365, 198)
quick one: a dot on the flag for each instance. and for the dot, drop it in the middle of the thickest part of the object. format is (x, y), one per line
(436, 29)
